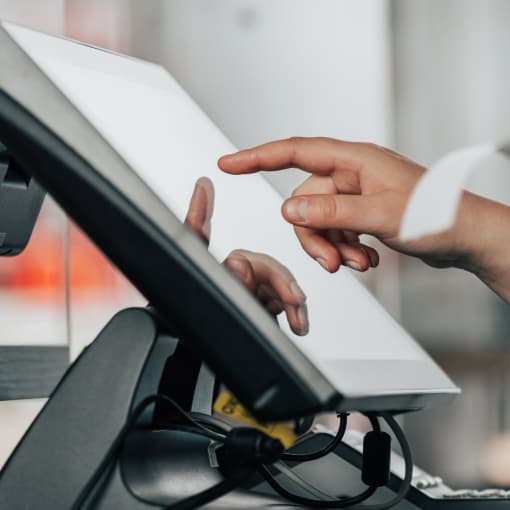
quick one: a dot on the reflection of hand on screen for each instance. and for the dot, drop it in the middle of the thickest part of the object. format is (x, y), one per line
(269, 281)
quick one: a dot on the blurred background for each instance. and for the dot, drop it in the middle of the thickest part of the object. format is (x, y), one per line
(421, 76)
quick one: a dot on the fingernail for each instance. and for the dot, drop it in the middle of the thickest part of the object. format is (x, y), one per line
(322, 262)
(297, 290)
(302, 315)
(353, 265)
(372, 257)
(296, 209)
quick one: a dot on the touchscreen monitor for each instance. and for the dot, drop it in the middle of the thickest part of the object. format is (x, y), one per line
(137, 132)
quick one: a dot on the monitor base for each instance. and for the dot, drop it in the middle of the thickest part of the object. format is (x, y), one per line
(133, 357)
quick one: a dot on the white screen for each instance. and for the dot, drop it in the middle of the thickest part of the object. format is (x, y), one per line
(162, 134)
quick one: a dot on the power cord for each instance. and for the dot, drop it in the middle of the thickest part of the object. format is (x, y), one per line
(248, 450)
(323, 502)
(249, 446)
(408, 461)
(320, 499)
(356, 500)
(218, 424)
(306, 457)
(263, 447)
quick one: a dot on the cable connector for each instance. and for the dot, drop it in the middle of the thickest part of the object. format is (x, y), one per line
(249, 447)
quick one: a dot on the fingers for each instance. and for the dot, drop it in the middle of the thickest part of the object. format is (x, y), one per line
(242, 269)
(268, 297)
(319, 248)
(373, 255)
(320, 156)
(358, 213)
(327, 227)
(297, 316)
(201, 208)
(346, 182)
(332, 248)
(273, 285)
(269, 271)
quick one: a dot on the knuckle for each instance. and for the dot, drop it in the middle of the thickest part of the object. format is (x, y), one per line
(294, 144)
(328, 209)
(303, 188)
(267, 259)
(370, 147)
(297, 192)
(238, 253)
(295, 140)
(326, 140)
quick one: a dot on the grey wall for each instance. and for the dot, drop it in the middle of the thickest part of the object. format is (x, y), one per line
(266, 70)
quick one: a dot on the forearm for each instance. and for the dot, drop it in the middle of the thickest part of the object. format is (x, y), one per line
(483, 236)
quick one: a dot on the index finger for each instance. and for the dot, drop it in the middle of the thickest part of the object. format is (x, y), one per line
(271, 272)
(320, 156)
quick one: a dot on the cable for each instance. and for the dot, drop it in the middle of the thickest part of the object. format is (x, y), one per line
(323, 500)
(225, 426)
(287, 456)
(408, 461)
(356, 500)
(305, 457)
(246, 441)
(114, 450)
(212, 422)
(374, 422)
(323, 503)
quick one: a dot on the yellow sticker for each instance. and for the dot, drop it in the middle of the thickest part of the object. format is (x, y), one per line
(228, 405)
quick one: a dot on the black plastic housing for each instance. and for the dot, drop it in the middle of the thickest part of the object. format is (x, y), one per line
(20, 202)
(201, 314)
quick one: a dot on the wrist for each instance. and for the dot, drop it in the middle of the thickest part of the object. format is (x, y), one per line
(482, 240)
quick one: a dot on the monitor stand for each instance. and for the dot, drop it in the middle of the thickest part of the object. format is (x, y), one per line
(134, 356)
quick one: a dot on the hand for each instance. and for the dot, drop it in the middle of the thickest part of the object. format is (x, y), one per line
(269, 281)
(358, 188)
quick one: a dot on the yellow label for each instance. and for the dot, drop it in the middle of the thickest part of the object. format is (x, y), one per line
(228, 405)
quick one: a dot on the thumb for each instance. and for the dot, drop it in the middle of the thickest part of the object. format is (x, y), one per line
(359, 213)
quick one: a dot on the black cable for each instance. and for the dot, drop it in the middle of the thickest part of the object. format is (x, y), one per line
(305, 457)
(212, 421)
(408, 461)
(114, 450)
(244, 471)
(341, 503)
(374, 422)
(317, 503)
(193, 430)
(356, 500)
